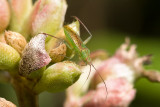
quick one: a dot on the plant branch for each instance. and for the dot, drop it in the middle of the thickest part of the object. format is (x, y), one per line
(26, 97)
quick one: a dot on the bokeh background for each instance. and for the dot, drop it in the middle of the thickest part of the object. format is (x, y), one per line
(110, 21)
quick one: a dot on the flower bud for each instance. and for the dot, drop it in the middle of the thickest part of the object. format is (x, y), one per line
(58, 77)
(20, 10)
(16, 40)
(34, 55)
(4, 15)
(58, 53)
(5, 103)
(9, 57)
(47, 16)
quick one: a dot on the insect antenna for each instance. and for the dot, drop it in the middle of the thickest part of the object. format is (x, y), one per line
(52, 36)
(101, 79)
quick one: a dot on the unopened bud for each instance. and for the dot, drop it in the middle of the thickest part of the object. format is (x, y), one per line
(20, 9)
(16, 40)
(4, 15)
(34, 55)
(47, 16)
(9, 57)
(58, 53)
(58, 77)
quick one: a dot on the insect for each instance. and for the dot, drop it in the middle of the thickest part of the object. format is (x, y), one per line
(75, 43)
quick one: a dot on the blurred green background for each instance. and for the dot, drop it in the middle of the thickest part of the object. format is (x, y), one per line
(110, 21)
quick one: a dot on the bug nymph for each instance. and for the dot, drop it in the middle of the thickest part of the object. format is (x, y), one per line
(74, 42)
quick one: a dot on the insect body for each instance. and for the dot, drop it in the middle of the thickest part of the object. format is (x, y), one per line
(74, 42)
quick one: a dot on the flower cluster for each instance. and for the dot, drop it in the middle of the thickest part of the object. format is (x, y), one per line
(29, 59)
(119, 73)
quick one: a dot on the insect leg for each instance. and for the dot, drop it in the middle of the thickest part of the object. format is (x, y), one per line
(101, 79)
(89, 38)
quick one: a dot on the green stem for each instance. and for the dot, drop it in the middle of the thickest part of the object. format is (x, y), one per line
(26, 97)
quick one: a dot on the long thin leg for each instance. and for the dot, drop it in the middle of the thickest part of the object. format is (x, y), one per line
(101, 79)
(89, 38)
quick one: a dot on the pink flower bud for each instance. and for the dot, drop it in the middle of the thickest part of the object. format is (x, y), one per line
(34, 55)
(4, 15)
(20, 10)
(47, 16)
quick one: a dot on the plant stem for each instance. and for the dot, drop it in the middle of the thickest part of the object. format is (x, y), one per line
(26, 97)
